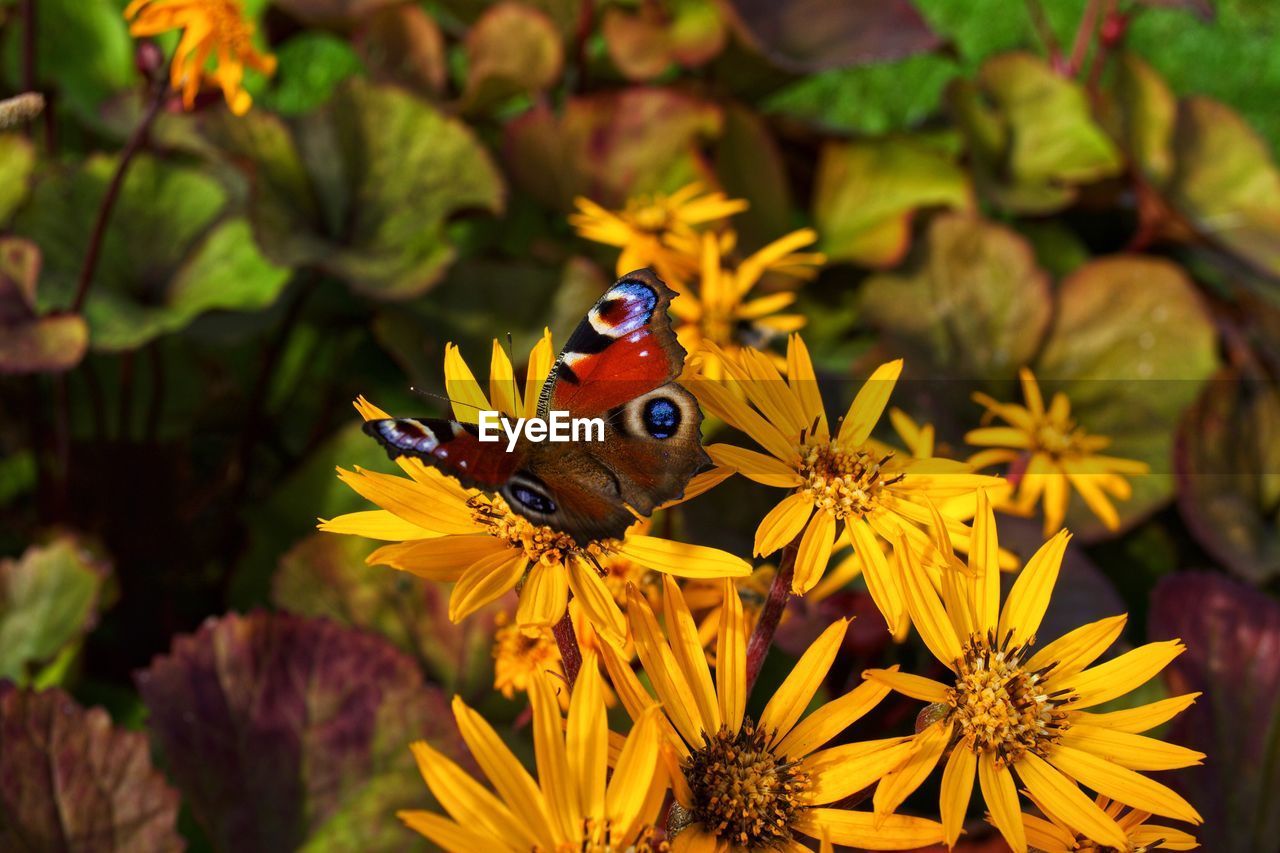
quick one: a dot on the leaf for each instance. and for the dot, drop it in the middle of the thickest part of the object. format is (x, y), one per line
(326, 575)
(337, 14)
(17, 158)
(403, 44)
(971, 303)
(610, 145)
(1203, 9)
(867, 191)
(749, 165)
(815, 35)
(362, 188)
(1228, 467)
(512, 50)
(1144, 114)
(30, 343)
(1232, 634)
(49, 600)
(1031, 134)
(69, 781)
(1131, 346)
(645, 42)
(166, 257)
(309, 67)
(272, 724)
(1226, 182)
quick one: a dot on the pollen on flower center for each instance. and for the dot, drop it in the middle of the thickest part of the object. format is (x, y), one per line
(998, 705)
(844, 482)
(650, 215)
(1059, 439)
(742, 792)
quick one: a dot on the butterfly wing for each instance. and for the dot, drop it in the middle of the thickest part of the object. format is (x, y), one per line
(453, 447)
(624, 348)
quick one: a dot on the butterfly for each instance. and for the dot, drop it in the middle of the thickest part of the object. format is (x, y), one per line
(619, 365)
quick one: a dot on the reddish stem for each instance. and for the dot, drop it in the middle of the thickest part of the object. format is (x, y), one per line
(771, 613)
(1084, 35)
(570, 654)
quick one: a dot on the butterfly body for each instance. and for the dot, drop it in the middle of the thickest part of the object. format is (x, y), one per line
(619, 365)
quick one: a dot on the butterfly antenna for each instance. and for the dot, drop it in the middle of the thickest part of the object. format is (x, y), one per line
(422, 392)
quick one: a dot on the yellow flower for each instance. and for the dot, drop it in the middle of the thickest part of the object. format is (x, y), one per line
(1009, 709)
(520, 654)
(573, 805)
(1057, 453)
(1052, 836)
(442, 531)
(210, 28)
(720, 311)
(749, 785)
(648, 228)
(834, 481)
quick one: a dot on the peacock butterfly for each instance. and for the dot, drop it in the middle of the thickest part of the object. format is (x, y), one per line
(619, 365)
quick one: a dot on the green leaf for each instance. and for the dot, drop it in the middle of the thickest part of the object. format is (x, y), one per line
(275, 726)
(337, 14)
(644, 42)
(512, 50)
(17, 158)
(1226, 182)
(49, 600)
(1131, 346)
(29, 342)
(1144, 111)
(750, 166)
(310, 66)
(866, 193)
(72, 782)
(1228, 464)
(971, 302)
(362, 188)
(610, 145)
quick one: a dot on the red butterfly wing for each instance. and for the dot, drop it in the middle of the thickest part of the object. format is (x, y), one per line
(448, 445)
(623, 349)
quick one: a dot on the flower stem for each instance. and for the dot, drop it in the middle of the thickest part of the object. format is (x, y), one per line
(570, 654)
(131, 149)
(771, 613)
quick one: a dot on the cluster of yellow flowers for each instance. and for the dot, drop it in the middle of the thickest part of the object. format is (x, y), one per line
(1021, 724)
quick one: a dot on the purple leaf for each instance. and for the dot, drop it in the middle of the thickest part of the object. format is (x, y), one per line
(70, 781)
(1232, 632)
(275, 725)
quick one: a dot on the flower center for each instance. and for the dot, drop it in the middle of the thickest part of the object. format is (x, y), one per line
(1059, 438)
(742, 791)
(1000, 706)
(538, 541)
(844, 482)
(650, 214)
(597, 837)
(517, 656)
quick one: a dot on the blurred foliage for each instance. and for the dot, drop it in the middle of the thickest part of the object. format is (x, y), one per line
(189, 301)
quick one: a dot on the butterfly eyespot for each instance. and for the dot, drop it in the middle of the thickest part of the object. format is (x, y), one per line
(535, 501)
(661, 417)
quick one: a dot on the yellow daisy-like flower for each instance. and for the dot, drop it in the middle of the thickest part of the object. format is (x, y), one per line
(649, 229)
(210, 28)
(721, 311)
(834, 481)
(1011, 710)
(1058, 454)
(574, 804)
(747, 785)
(442, 531)
(1052, 836)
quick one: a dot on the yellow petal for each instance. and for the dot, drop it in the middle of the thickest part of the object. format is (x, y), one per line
(587, 737)
(882, 580)
(682, 633)
(545, 595)
(832, 718)
(1001, 797)
(844, 770)
(376, 524)
(1149, 835)
(796, 691)
(1090, 488)
(1063, 799)
(815, 552)
(559, 787)
(1137, 752)
(783, 523)
(1121, 784)
(443, 558)
(1140, 719)
(1031, 392)
(731, 658)
(461, 386)
(927, 613)
(1120, 675)
(1000, 436)
(724, 404)
(444, 832)
(502, 382)
(915, 686)
(899, 784)
(868, 831)
(1078, 648)
(1048, 836)
(694, 839)
(682, 559)
(541, 358)
(663, 671)
(465, 799)
(1029, 598)
(804, 384)
(486, 581)
(763, 469)
(597, 602)
(512, 782)
(868, 405)
(1056, 495)
(636, 766)
(957, 789)
(410, 501)
(984, 558)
